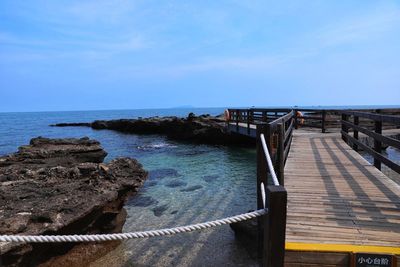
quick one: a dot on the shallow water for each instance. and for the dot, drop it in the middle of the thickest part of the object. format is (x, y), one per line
(187, 184)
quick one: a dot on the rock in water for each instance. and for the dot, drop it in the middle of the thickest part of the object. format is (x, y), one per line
(175, 183)
(60, 186)
(198, 129)
(191, 188)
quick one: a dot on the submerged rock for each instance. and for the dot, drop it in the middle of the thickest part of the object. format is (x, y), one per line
(159, 210)
(191, 188)
(158, 174)
(199, 129)
(142, 201)
(60, 186)
(175, 183)
(210, 178)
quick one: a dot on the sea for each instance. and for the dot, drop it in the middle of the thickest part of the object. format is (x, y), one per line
(187, 184)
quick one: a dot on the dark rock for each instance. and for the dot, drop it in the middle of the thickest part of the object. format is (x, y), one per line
(159, 210)
(246, 233)
(85, 124)
(210, 178)
(162, 173)
(175, 183)
(191, 116)
(55, 152)
(202, 129)
(141, 201)
(174, 212)
(60, 186)
(191, 188)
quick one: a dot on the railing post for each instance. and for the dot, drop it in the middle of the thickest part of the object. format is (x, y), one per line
(262, 177)
(296, 124)
(344, 127)
(355, 132)
(378, 144)
(323, 121)
(264, 116)
(274, 236)
(248, 121)
(237, 120)
(281, 151)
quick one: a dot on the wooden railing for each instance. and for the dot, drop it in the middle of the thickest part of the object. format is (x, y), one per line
(306, 118)
(255, 116)
(376, 134)
(315, 118)
(274, 132)
(273, 142)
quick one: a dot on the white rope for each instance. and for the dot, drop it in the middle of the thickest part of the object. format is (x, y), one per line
(122, 236)
(269, 161)
(263, 194)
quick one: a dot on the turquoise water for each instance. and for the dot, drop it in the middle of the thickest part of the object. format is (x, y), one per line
(178, 171)
(187, 184)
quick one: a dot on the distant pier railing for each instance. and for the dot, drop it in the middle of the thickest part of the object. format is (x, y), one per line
(351, 121)
(303, 117)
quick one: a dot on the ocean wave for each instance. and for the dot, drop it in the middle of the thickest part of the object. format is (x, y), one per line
(155, 146)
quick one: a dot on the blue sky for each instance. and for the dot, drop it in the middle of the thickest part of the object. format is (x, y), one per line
(81, 55)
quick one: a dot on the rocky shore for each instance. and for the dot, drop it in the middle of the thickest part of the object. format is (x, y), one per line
(61, 186)
(203, 129)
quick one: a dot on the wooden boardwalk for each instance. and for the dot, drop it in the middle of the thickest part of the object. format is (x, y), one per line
(337, 201)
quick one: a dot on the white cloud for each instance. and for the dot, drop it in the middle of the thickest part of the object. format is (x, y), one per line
(362, 28)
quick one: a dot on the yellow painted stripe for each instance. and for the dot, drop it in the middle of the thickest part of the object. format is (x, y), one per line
(341, 248)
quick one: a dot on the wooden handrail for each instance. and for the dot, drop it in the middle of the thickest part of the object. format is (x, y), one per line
(373, 116)
(274, 116)
(271, 227)
(378, 137)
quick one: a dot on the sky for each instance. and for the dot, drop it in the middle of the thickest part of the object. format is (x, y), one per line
(88, 55)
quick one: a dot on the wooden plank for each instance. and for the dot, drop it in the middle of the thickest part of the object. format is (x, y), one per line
(335, 196)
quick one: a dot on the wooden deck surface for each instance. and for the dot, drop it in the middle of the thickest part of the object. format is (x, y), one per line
(336, 197)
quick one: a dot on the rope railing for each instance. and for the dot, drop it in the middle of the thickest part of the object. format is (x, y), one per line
(269, 161)
(263, 196)
(136, 235)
